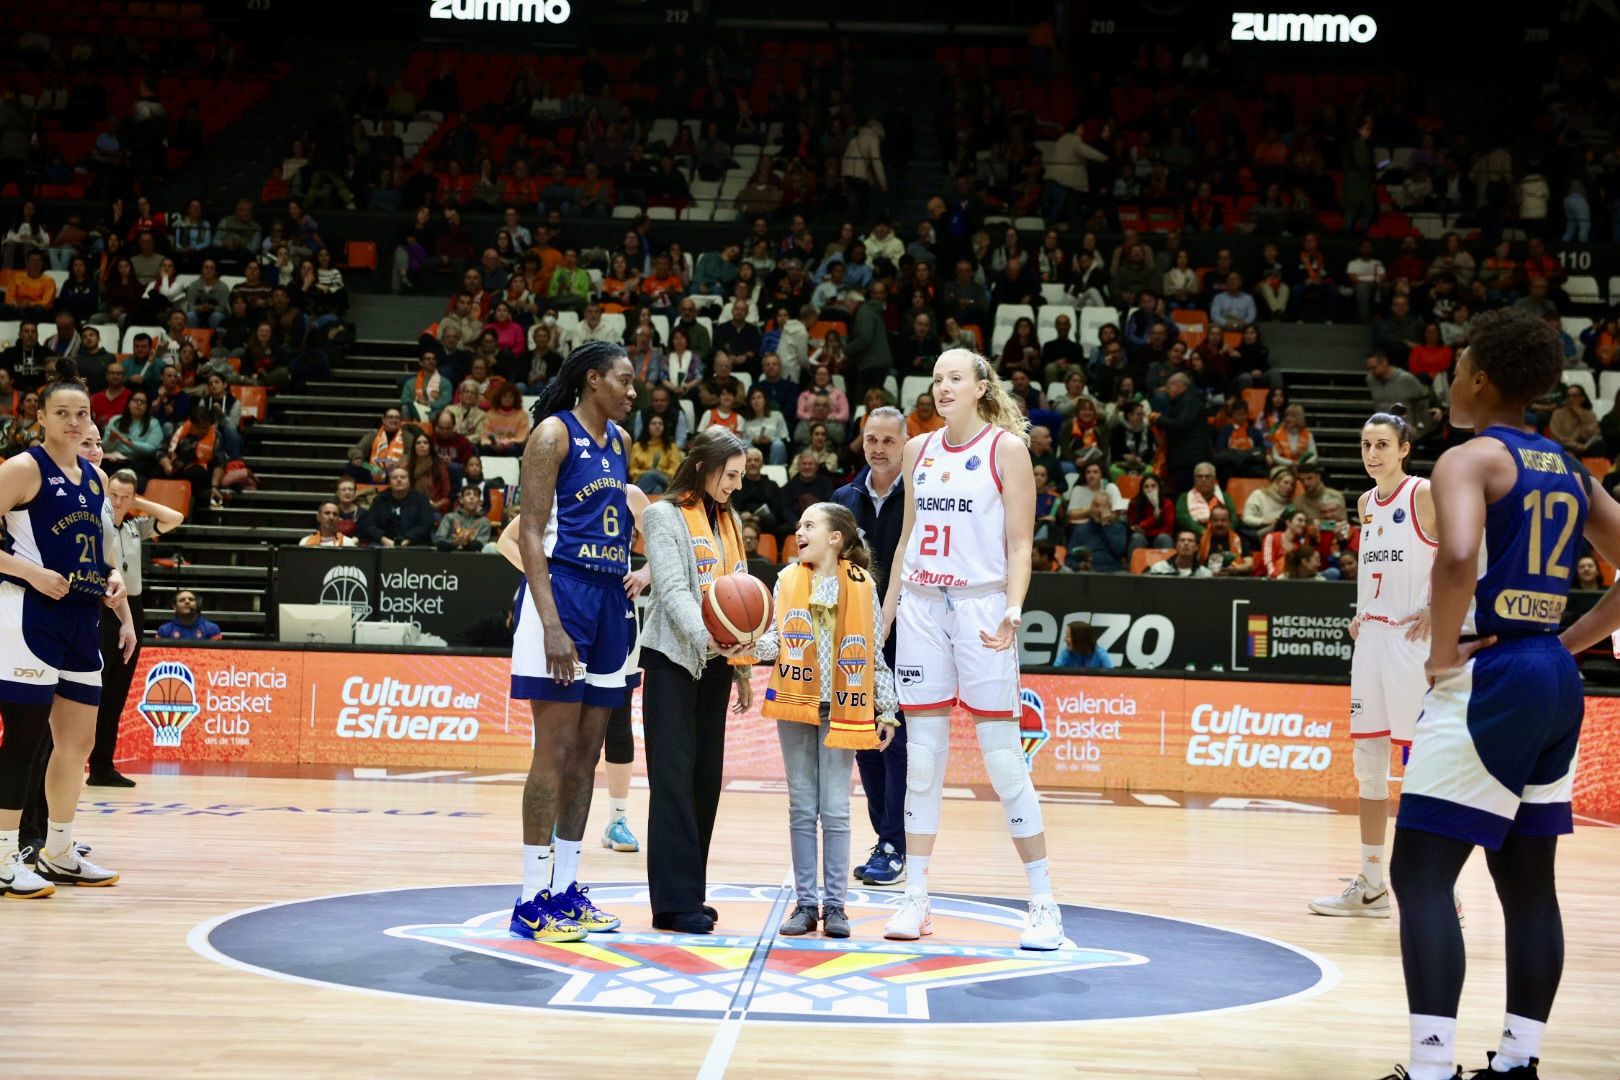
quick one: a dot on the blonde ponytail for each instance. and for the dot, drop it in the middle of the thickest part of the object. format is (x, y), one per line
(998, 405)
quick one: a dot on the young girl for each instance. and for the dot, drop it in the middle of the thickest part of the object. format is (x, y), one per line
(963, 565)
(831, 694)
(1391, 632)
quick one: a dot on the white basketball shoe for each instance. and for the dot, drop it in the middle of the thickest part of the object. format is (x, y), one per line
(72, 868)
(1043, 927)
(18, 882)
(1359, 900)
(912, 919)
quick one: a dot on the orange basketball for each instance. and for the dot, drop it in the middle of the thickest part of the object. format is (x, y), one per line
(737, 609)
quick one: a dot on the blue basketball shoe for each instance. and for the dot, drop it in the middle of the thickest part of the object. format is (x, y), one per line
(618, 836)
(542, 919)
(575, 905)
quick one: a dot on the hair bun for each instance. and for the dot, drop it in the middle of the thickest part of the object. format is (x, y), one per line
(67, 370)
(1399, 409)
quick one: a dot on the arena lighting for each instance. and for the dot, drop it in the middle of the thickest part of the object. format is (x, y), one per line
(1257, 26)
(512, 11)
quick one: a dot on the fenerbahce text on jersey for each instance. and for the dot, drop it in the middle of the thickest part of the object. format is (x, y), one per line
(589, 525)
(1392, 582)
(60, 529)
(1532, 538)
(959, 535)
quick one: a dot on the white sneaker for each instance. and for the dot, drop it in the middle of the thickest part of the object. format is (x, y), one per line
(1043, 927)
(78, 871)
(912, 919)
(1358, 901)
(17, 882)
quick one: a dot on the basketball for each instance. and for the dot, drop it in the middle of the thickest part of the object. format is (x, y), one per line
(737, 609)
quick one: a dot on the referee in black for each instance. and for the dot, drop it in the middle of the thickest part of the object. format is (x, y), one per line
(877, 498)
(135, 520)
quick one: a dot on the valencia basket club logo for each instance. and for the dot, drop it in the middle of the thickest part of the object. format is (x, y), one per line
(1032, 729)
(451, 944)
(345, 584)
(852, 658)
(703, 554)
(169, 702)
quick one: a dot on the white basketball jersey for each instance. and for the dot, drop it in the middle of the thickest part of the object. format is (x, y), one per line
(1392, 582)
(959, 535)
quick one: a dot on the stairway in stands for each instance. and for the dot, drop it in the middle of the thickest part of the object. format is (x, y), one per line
(297, 454)
(1336, 406)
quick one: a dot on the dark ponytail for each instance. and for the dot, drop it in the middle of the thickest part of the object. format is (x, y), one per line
(1395, 418)
(564, 390)
(66, 378)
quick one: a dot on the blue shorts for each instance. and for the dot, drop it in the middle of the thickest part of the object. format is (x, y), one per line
(48, 648)
(1494, 748)
(601, 622)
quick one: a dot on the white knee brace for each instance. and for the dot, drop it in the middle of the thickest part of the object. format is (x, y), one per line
(1009, 774)
(928, 747)
(1372, 767)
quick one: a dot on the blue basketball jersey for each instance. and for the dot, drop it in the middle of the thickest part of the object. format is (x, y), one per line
(60, 529)
(1532, 538)
(590, 524)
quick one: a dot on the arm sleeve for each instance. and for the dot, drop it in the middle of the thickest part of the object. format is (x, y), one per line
(768, 647)
(667, 548)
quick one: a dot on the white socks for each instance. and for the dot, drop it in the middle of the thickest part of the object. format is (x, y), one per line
(536, 870)
(8, 841)
(1521, 1041)
(1039, 873)
(917, 874)
(566, 870)
(1372, 865)
(58, 838)
(618, 808)
(1434, 1047)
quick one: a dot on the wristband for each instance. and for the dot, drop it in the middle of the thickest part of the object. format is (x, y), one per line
(1016, 612)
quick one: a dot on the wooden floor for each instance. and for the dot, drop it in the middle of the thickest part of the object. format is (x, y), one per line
(103, 982)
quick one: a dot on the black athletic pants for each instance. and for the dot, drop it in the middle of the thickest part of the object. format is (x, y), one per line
(883, 778)
(115, 680)
(684, 723)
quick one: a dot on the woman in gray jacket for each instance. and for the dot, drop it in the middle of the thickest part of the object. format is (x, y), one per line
(693, 537)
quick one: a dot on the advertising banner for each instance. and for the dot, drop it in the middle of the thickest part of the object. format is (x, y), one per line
(1264, 740)
(444, 593)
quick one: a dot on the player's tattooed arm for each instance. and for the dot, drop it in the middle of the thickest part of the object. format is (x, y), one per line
(542, 458)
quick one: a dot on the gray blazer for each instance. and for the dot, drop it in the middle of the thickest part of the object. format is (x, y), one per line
(674, 622)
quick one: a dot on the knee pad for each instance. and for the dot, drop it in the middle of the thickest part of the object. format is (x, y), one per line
(927, 749)
(1372, 767)
(619, 743)
(1008, 770)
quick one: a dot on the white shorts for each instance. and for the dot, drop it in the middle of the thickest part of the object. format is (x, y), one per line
(940, 662)
(1387, 683)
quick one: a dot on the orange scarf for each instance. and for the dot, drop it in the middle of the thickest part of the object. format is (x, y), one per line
(386, 451)
(426, 389)
(715, 557)
(205, 444)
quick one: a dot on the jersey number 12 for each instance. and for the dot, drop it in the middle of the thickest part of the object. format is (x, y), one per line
(1539, 508)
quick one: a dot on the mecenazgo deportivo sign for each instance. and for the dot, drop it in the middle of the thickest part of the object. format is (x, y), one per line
(1257, 26)
(512, 11)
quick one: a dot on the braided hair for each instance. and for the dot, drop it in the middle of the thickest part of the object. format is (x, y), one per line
(564, 390)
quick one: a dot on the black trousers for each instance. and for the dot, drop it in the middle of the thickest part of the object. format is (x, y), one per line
(684, 722)
(115, 679)
(883, 777)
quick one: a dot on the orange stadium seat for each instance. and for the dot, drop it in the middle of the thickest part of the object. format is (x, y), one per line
(175, 494)
(1239, 488)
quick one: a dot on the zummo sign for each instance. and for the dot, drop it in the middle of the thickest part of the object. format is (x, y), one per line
(501, 11)
(1255, 26)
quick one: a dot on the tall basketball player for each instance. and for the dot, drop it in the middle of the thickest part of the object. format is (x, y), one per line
(619, 746)
(1391, 632)
(574, 625)
(955, 601)
(54, 581)
(1493, 757)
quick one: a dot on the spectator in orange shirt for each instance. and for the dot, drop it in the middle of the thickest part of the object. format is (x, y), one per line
(520, 189)
(1430, 358)
(33, 295)
(661, 288)
(923, 417)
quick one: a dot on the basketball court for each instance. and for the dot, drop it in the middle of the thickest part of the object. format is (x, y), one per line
(307, 921)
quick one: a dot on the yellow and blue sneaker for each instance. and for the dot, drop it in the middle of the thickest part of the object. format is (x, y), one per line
(574, 904)
(541, 920)
(618, 836)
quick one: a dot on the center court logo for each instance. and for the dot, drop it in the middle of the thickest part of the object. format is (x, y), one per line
(168, 702)
(451, 944)
(345, 584)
